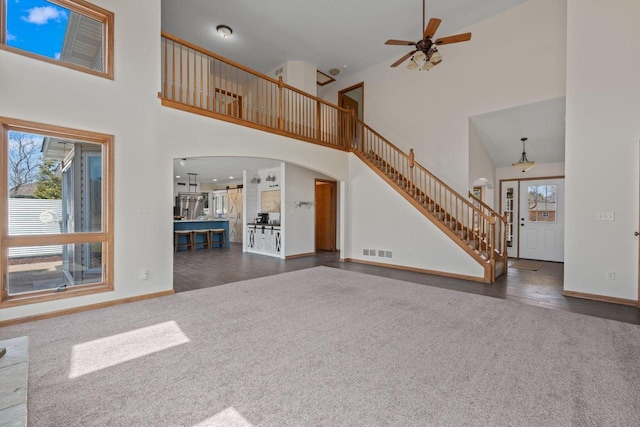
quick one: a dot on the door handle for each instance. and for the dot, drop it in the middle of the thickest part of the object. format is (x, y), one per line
(636, 234)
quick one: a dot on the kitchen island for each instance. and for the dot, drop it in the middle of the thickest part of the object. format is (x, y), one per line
(201, 224)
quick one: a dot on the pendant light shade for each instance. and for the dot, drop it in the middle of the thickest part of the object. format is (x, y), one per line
(524, 164)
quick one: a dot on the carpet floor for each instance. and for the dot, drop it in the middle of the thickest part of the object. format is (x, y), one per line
(329, 347)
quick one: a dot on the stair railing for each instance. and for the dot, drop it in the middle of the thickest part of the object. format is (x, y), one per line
(501, 224)
(475, 227)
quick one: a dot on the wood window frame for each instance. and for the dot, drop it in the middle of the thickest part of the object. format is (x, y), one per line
(105, 236)
(81, 7)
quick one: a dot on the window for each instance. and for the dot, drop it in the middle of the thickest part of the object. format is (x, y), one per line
(542, 202)
(71, 33)
(56, 213)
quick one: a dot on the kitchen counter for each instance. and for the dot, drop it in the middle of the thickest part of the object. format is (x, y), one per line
(202, 224)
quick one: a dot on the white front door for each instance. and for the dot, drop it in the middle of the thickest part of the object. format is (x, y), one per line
(542, 219)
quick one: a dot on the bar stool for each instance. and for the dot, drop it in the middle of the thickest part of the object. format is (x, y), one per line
(222, 240)
(206, 240)
(176, 240)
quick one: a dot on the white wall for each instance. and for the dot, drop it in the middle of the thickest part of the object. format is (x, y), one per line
(481, 165)
(514, 58)
(302, 75)
(381, 219)
(603, 130)
(300, 225)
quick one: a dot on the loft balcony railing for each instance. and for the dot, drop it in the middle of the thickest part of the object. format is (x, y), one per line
(202, 82)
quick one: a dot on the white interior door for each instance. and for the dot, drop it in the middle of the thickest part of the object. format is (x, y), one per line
(542, 219)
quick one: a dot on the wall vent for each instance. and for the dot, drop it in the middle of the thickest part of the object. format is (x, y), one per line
(365, 252)
(381, 253)
(388, 254)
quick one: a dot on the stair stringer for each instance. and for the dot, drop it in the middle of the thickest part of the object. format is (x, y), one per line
(380, 219)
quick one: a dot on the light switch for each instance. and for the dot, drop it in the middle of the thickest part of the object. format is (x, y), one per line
(605, 216)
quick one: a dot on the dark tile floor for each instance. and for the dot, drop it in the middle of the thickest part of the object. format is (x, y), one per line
(206, 268)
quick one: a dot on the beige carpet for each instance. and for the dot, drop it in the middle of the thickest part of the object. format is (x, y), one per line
(525, 264)
(327, 347)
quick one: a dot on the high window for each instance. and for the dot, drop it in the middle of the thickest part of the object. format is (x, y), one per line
(56, 193)
(72, 33)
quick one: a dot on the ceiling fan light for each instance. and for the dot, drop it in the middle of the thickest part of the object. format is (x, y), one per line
(412, 65)
(436, 58)
(427, 66)
(420, 56)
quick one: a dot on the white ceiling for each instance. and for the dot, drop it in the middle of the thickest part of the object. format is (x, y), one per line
(220, 168)
(541, 122)
(325, 33)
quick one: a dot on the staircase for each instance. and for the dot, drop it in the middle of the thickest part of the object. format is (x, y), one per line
(472, 224)
(202, 82)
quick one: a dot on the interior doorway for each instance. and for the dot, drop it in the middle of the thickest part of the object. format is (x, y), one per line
(353, 98)
(325, 203)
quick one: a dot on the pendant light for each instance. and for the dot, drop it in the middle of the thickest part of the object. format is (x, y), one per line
(524, 164)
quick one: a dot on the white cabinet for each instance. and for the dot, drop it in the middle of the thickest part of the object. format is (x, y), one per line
(264, 239)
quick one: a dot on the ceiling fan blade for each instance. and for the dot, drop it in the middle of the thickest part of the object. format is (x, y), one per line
(399, 42)
(432, 27)
(404, 58)
(454, 39)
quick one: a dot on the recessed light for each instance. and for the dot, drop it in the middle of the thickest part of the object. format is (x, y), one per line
(230, 177)
(215, 180)
(224, 31)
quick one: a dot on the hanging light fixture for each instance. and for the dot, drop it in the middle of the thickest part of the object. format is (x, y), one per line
(183, 162)
(524, 164)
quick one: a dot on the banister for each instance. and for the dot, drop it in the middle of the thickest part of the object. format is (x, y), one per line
(246, 69)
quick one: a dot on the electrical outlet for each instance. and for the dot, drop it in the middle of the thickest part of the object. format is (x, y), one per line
(611, 275)
(144, 274)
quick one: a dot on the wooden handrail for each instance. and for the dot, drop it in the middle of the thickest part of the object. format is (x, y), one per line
(419, 166)
(204, 51)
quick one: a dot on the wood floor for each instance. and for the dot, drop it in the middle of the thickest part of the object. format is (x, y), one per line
(206, 268)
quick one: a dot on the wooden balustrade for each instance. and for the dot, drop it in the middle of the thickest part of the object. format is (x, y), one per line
(201, 81)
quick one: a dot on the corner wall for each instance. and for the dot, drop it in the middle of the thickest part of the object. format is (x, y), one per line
(602, 156)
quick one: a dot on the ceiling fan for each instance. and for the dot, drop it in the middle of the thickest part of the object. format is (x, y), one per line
(426, 48)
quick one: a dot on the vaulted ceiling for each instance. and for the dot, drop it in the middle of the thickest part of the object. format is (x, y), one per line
(325, 33)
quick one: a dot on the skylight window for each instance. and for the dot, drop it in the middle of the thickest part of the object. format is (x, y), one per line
(72, 33)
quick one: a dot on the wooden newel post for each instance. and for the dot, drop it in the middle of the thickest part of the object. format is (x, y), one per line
(280, 103)
(492, 236)
(411, 164)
